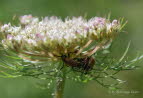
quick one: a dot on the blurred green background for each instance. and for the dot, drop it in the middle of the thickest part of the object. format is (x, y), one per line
(132, 10)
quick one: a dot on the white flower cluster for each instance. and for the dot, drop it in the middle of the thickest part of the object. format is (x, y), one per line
(52, 33)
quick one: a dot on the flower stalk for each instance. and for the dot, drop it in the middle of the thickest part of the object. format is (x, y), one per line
(60, 84)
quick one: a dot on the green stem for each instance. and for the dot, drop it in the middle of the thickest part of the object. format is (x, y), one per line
(60, 83)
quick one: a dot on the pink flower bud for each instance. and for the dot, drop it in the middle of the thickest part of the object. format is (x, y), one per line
(38, 35)
(114, 22)
(9, 37)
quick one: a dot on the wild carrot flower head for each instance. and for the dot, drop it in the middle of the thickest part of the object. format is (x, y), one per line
(52, 36)
(54, 42)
